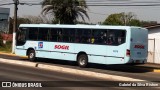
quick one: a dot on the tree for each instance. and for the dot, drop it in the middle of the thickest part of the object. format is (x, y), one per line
(27, 20)
(113, 19)
(65, 11)
(148, 23)
(135, 22)
(37, 19)
(122, 19)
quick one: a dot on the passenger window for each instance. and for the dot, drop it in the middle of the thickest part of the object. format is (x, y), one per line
(95, 36)
(66, 35)
(79, 34)
(121, 37)
(72, 35)
(83, 35)
(21, 36)
(43, 34)
(60, 35)
(53, 34)
(116, 37)
(101, 37)
(33, 34)
(111, 37)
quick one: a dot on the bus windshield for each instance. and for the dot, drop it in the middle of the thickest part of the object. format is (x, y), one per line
(21, 36)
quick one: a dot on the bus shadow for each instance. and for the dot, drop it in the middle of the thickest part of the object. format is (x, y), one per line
(57, 62)
(123, 68)
(130, 68)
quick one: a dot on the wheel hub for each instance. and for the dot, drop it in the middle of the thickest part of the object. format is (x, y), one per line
(82, 61)
(31, 55)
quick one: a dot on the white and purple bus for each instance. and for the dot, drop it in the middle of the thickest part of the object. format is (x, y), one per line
(83, 43)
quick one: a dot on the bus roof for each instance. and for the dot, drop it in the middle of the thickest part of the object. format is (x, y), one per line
(77, 26)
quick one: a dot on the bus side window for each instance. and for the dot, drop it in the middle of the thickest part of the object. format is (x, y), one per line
(123, 36)
(21, 36)
(53, 34)
(111, 37)
(60, 35)
(43, 34)
(71, 35)
(102, 37)
(78, 36)
(77, 39)
(119, 37)
(95, 35)
(33, 34)
(66, 35)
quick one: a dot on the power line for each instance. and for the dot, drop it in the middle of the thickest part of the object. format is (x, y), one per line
(97, 13)
(6, 4)
(97, 2)
(122, 2)
(89, 4)
(123, 5)
(101, 4)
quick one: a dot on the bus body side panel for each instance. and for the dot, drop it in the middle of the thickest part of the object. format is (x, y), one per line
(55, 50)
(20, 50)
(139, 45)
(116, 54)
(95, 53)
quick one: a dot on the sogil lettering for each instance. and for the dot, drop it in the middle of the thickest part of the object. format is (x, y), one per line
(63, 47)
(139, 46)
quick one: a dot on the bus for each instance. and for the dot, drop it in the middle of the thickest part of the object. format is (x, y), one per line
(84, 44)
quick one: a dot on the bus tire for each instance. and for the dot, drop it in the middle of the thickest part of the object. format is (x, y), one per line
(31, 55)
(82, 60)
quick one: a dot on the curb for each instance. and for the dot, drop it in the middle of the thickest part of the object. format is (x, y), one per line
(69, 70)
(156, 70)
(10, 54)
(24, 63)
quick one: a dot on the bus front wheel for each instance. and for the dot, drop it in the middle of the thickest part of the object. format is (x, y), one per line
(31, 55)
(82, 60)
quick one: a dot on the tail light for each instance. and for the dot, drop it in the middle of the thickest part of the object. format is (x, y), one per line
(128, 52)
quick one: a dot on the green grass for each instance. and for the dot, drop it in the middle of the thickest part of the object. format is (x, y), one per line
(7, 48)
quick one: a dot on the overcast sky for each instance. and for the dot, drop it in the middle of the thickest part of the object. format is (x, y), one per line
(99, 13)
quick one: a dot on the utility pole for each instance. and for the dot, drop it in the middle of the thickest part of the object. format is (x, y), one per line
(16, 2)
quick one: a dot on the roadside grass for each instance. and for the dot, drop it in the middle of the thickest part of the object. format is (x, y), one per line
(6, 48)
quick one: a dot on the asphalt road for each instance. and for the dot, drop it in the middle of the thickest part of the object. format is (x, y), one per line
(56, 80)
(136, 71)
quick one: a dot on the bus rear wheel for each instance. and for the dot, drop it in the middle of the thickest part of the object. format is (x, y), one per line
(31, 55)
(82, 60)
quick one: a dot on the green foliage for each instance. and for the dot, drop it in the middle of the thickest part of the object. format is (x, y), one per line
(65, 11)
(19, 21)
(135, 22)
(6, 47)
(113, 19)
(25, 20)
(122, 19)
(148, 23)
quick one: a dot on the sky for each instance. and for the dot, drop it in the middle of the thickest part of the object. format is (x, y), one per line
(99, 13)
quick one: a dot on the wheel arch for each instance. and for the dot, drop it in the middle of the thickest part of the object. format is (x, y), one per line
(29, 50)
(80, 53)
